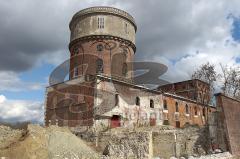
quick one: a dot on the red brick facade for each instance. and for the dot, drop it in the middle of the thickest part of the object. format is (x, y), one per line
(191, 89)
(178, 111)
(114, 55)
(229, 109)
(70, 105)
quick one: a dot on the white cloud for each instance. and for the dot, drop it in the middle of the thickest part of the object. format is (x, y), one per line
(10, 81)
(183, 34)
(20, 110)
(2, 98)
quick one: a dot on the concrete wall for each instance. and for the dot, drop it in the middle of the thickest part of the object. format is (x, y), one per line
(113, 25)
(125, 144)
(229, 110)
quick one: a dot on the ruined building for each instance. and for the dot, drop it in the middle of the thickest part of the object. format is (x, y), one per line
(101, 91)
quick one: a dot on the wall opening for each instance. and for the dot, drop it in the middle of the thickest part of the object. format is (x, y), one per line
(115, 121)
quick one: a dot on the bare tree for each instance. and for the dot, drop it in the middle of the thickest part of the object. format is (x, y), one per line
(206, 73)
(231, 81)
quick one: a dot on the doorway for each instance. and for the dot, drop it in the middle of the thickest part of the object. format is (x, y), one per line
(115, 121)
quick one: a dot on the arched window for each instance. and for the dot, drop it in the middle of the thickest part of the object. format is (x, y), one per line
(203, 111)
(176, 105)
(99, 64)
(138, 101)
(75, 50)
(116, 99)
(165, 107)
(187, 109)
(124, 69)
(99, 47)
(151, 103)
(195, 111)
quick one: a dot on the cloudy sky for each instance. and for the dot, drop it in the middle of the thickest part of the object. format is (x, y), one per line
(34, 37)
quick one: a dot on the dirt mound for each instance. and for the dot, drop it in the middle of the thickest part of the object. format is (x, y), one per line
(8, 136)
(43, 143)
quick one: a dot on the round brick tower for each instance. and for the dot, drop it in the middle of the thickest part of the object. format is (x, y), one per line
(102, 42)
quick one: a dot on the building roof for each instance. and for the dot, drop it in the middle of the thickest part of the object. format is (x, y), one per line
(105, 10)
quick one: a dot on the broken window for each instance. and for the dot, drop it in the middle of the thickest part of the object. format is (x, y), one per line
(137, 101)
(187, 109)
(176, 105)
(165, 107)
(195, 111)
(116, 99)
(151, 103)
(203, 111)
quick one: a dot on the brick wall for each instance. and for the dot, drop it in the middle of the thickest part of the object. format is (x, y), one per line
(229, 115)
(195, 115)
(70, 105)
(114, 54)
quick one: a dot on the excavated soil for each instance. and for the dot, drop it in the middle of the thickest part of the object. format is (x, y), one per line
(43, 143)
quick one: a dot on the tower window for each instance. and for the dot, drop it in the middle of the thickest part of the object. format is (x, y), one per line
(75, 50)
(99, 47)
(187, 109)
(138, 101)
(176, 105)
(124, 70)
(151, 103)
(125, 51)
(75, 72)
(165, 107)
(99, 63)
(126, 28)
(100, 22)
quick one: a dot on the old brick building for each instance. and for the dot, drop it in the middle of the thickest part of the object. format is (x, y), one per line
(101, 92)
(192, 89)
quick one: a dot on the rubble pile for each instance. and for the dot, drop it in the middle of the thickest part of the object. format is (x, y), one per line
(43, 143)
(225, 155)
(8, 136)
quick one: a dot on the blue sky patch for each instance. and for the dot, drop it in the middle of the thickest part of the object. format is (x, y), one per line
(236, 29)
